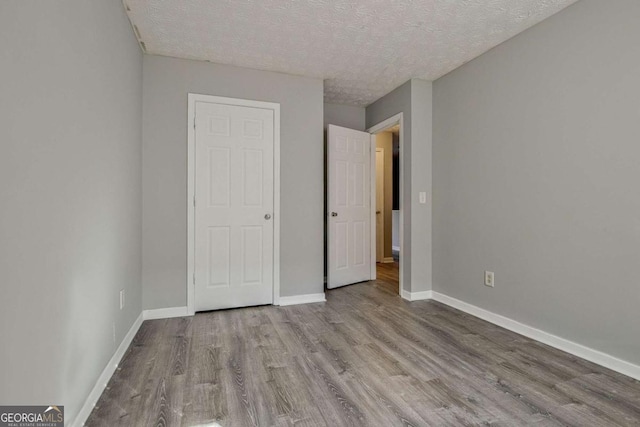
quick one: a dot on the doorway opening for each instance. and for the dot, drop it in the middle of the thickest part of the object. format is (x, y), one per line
(387, 207)
(353, 253)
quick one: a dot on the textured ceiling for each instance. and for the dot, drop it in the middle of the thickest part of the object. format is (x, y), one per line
(362, 49)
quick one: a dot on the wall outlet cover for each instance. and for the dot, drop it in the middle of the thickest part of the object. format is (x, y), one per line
(489, 279)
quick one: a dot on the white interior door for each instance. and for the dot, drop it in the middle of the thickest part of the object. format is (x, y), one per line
(379, 205)
(234, 188)
(349, 204)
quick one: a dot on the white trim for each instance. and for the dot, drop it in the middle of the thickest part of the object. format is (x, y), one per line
(191, 151)
(106, 374)
(165, 313)
(416, 296)
(579, 350)
(385, 124)
(388, 260)
(276, 204)
(302, 299)
(191, 195)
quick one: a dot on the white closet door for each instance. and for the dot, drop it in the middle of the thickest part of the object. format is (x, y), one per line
(234, 185)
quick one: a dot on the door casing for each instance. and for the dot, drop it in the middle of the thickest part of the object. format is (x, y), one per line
(191, 175)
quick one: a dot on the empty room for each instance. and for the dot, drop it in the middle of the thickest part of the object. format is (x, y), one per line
(319, 213)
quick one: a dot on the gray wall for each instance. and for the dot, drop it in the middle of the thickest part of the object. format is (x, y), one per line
(344, 115)
(167, 82)
(413, 99)
(395, 239)
(536, 177)
(421, 172)
(70, 216)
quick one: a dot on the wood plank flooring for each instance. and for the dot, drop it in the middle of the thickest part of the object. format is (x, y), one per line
(364, 358)
(387, 274)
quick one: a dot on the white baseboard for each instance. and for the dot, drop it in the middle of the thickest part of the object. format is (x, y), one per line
(104, 378)
(416, 296)
(595, 356)
(302, 299)
(388, 260)
(165, 313)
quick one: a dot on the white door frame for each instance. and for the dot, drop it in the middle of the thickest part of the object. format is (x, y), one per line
(398, 119)
(193, 98)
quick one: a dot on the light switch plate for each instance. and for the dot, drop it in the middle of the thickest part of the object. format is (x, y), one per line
(423, 197)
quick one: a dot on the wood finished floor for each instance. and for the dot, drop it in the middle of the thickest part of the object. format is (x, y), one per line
(364, 358)
(387, 274)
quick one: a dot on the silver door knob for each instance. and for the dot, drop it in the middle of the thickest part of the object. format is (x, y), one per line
(267, 216)
(334, 213)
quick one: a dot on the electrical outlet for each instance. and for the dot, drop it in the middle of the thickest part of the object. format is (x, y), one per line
(121, 299)
(489, 279)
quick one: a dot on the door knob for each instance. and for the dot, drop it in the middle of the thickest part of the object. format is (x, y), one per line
(378, 212)
(267, 216)
(334, 213)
